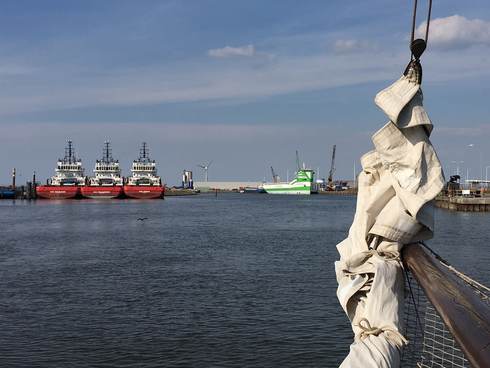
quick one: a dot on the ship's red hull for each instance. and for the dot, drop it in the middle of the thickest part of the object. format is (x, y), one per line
(143, 192)
(57, 191)
(103, 192)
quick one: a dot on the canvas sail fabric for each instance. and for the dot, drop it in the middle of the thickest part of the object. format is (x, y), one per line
(400, 177)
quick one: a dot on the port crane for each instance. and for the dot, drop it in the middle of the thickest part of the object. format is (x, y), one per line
(275, 177)
(330, 185)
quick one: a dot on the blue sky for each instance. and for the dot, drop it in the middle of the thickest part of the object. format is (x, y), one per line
(243, 83)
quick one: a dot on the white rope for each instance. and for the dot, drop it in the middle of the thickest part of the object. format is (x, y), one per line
(462, 275)
(392, 334)
(466, 278)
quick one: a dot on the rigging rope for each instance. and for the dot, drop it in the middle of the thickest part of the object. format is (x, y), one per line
(462, 275)
(418, 46)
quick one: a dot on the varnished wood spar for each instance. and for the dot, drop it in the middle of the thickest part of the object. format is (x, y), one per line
(466, 316)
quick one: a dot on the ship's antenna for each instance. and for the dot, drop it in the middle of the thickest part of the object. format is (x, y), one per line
(144, 151)
(70, 152)
(107, 154)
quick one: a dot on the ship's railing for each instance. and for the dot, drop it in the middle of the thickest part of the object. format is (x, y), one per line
(447, 314)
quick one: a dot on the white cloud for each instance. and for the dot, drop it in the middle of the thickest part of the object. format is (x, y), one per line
(198, 81)
(228, 51)
(348, 46)
(61, 86)
(456, 31)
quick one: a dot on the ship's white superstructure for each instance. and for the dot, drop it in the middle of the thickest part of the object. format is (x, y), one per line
(144, 170)
(69, 170)
(107, 170)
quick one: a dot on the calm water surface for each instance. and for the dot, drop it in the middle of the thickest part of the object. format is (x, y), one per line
(233, 281)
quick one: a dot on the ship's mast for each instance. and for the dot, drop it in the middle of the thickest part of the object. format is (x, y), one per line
(144, 152)
(70, 152)
(107, 152)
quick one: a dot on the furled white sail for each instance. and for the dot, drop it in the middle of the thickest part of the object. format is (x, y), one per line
(400, 177)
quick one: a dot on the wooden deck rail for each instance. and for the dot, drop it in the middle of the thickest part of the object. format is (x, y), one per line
(466, 316)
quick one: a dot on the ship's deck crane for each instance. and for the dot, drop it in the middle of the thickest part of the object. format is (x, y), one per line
(330, 184)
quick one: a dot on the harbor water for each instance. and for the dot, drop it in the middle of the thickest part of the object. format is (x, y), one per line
(237, 280)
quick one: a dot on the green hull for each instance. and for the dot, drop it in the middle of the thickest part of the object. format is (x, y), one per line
(287, 189)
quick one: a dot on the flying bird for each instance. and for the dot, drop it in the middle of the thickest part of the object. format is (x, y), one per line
(142, 218)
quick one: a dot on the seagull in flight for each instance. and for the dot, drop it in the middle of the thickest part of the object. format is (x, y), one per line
(142, 218)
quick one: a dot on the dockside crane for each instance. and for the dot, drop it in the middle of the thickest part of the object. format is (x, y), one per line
(275, 177)
(330, 185)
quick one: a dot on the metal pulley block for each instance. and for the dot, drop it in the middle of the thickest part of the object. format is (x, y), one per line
(417, 47)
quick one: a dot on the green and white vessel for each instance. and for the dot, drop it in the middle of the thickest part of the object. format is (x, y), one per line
(301, 184)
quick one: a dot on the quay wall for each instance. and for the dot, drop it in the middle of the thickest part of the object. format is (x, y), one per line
(170, 192)
(225, 185)
(465, 204)
(347, 192)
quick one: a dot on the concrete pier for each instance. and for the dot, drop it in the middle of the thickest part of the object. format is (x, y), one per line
(466, 204)
(347, 192)
(171, 192)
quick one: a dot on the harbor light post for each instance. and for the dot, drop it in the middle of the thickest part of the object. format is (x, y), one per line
(13, 178)
(471, 146)
(457, 165)
(486, 175)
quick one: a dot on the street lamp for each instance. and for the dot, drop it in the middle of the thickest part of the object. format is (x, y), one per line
(454, 162)
(457, 165)
(472, 145)
(486, 173)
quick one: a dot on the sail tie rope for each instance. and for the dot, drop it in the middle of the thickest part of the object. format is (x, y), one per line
(391, 333)
(362, 257)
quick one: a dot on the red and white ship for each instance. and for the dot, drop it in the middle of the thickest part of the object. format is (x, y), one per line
(68, 179)
(107, 182)
(144, 182)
